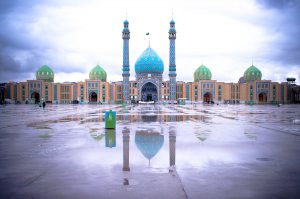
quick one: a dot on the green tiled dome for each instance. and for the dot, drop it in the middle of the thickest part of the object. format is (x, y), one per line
(98, 73)
(202, 73)
(252, 74)
(45, 73)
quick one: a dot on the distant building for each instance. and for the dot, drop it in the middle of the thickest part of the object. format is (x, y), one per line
(149, 84)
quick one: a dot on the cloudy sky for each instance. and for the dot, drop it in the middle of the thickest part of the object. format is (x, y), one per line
(72, 36)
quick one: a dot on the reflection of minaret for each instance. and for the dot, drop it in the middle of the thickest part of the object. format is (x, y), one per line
(126, 138)
(172, 145)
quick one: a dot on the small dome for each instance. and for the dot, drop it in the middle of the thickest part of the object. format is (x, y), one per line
(149, 62)
(98, 73)
(126, 22)
(252, 74)
(202, 73)
(172, 22)
(45, 73)
(241, 80)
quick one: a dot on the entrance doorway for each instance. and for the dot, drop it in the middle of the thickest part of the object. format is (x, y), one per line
(93, 97)
(207, 98)
(262, 98)
(149, 92)
(36, 97)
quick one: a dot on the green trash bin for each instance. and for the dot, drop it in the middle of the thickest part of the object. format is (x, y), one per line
(110, 119)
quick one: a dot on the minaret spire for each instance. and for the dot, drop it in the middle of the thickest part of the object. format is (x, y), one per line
(126, 68)
(172, 63)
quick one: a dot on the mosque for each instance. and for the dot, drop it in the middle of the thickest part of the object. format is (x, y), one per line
(149, 84)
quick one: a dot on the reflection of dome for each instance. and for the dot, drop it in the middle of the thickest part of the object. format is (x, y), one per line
(98, 73)
(202, 73)
(149, 62)
(96, 135)
(241, 80)
(149, 143)
(252, 74)
(45, 73)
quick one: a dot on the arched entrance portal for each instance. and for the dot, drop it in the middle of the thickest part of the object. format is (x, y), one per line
(93, 97)
(149, 92)
(36, 97)
(262, 98)
(207, 98)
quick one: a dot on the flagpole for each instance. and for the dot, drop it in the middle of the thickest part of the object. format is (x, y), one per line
(148, 34)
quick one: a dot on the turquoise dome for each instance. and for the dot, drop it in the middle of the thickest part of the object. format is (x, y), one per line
(172, 22)
(149, 62)
(126, 22)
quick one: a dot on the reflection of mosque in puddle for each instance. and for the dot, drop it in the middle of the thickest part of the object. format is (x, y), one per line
(133, 118)
(149, 143)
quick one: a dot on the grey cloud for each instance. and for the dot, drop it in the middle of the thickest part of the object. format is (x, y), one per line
(17, 40)
(286, 50)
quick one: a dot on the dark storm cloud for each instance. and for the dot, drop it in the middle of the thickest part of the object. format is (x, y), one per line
(286, 22)
(14, 41)
(22, 53)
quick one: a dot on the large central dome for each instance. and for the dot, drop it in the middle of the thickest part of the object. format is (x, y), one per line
(149, 62)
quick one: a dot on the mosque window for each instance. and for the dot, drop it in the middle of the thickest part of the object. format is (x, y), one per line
(274, 87)
(251, 87)
(220, 87)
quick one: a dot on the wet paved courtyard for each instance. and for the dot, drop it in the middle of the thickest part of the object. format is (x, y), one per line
(225, 151)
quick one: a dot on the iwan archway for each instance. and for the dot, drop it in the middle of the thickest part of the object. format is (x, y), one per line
(207, 98)
(36, 97)
(93, 97)
(149, 92)
(262, 98)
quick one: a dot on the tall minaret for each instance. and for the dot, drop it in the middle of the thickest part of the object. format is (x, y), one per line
(172, 64)
(126, 74)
